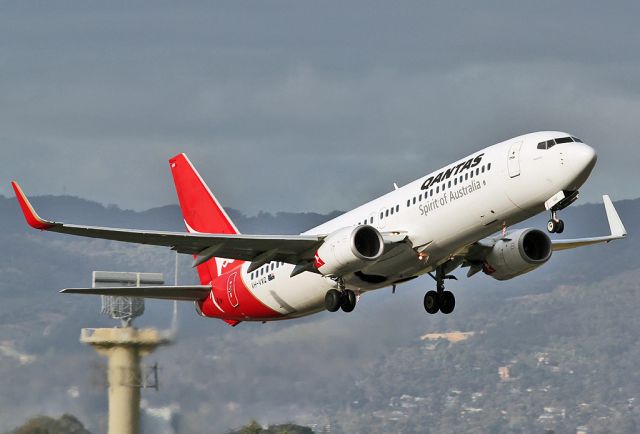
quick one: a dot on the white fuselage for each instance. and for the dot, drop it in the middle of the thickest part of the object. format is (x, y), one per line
(441, 213)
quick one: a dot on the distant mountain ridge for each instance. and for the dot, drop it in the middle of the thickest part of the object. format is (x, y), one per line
(72, 209)
(357, 372)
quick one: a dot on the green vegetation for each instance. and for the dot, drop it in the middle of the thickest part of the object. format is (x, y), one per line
(289, 428)
(67, 424)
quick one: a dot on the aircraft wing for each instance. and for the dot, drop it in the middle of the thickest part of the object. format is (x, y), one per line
(294, 249)
(615, 224)
(184, 293)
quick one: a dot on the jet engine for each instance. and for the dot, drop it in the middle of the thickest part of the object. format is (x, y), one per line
(349, 249)
(518, 253)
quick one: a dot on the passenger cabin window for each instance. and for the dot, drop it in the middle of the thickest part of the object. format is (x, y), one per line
(489, 166)
(397, 208)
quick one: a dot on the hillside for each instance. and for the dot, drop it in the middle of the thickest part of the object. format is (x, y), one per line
(553, 349)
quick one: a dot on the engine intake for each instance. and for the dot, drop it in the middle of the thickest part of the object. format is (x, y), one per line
(349, 249)
(518, 253)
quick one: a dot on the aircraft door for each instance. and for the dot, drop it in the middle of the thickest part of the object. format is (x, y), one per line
(513, 159)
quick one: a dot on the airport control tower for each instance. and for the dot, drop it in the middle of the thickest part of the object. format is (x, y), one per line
(124, 346)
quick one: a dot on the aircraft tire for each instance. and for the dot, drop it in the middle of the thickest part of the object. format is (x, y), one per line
(348, 301)
(560, 228)
(332, 300)
(447, 302)
(431, 302)
(552, 226)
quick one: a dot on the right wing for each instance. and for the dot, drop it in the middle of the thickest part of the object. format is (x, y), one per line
(293, 249)
(616, 227)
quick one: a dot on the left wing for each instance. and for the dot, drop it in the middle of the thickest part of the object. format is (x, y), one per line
(293, 249)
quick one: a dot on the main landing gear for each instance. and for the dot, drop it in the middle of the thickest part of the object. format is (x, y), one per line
(440, 300)
(555, 225)
(343, 298)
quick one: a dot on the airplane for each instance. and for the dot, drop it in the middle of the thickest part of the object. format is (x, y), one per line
(457, 216)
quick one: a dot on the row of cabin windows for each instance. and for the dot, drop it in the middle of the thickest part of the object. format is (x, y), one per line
(451, 183)
(386, 213)
(389, 212)
(265, 269)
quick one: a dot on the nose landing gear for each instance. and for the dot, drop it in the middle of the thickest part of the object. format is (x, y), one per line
(559, 201)
(555, 225)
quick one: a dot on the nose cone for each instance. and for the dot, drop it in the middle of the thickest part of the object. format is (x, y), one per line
(584, 155)
(582, 158)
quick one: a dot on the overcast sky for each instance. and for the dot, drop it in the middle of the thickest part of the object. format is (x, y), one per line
(305, 106)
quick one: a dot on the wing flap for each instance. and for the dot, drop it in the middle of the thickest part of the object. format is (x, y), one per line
(181, 293)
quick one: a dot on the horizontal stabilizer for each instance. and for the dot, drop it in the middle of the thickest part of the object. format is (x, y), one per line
(183, 293)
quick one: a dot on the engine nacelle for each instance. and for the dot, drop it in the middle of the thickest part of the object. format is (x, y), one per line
(349, 249)
(520, 252)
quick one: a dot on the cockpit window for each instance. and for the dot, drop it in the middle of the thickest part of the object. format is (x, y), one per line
(564, 140)
(551, 143)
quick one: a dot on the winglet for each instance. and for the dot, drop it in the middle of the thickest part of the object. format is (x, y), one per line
(617, 228)
(32, 217)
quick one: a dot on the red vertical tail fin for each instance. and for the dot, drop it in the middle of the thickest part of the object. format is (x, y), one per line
(200, 209)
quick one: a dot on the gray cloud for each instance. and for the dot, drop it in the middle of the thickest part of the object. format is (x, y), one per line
(304, 105)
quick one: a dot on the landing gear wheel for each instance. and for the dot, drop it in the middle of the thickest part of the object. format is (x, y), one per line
(447, 302)
(431, 302)
(333, 300)
(555, 226)
(348, 301)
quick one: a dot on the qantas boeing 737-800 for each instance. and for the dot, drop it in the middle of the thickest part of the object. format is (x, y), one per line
(457, 216)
